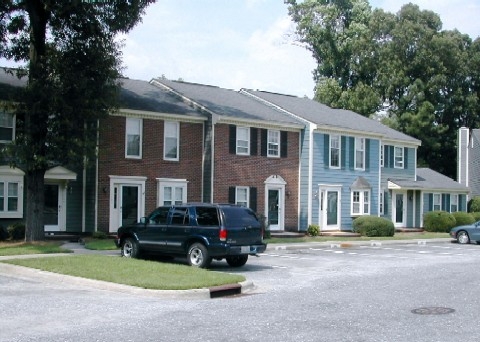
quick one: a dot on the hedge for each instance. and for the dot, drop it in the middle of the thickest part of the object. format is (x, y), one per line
(373, 226)
(438, 221)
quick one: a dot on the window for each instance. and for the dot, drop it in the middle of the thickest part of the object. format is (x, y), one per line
(159, 216)
(133, 138)
(243, 140)
(335, 151)
(381, 155)
(437, 202)
(453, 203)
(359, 153)
(241, 196)
(11, 193)
(170, 145)
(360, 202)
(171, 191)
(273, 144)
(7, 129)
(398, 157)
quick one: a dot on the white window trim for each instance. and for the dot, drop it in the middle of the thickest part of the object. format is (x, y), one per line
(361, 202)
(363, 154)
(177, 133)
(402, 162)
(248, 141)
(12, 175)
(433, 201)
(273, 143)
(457, 200)
(339, 152)
(163, 183)
(140, 139)
(13, 128)
(237, 188)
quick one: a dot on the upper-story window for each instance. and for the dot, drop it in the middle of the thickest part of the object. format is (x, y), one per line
(7, 127)
(242, 196)
(243, 140)
(171, 140)
(335, 142)
(360, 202)
(360, 153)
(273, 144)
(437, 202)
(453, 203)
(133, 138)
(398, 157)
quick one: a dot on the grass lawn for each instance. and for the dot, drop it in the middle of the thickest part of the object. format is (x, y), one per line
(136, 272)
(43, 247)
(100, 244)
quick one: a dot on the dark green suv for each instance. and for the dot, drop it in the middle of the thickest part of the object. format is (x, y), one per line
(199, 231)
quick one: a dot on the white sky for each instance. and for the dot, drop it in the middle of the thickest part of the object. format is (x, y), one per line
(241, 43)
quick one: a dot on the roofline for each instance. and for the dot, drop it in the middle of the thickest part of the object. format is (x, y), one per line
(157, 115)
(394, 186)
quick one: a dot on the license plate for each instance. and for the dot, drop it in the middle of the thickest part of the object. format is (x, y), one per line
(245, 249)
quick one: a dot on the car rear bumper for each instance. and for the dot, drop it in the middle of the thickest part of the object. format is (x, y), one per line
(225, 250)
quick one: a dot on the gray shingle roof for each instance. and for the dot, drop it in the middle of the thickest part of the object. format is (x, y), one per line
(428, 179)
(141, 95)
(230, 103)
(323, 115)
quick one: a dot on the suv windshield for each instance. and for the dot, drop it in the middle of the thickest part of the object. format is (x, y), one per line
(239, 216)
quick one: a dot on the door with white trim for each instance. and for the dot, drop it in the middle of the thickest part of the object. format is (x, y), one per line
(399, 207)
(55, 207)
(275, 202)
(127, 202)
(329, 215)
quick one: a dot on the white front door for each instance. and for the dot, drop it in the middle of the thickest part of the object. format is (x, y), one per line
(275, 211)
(329, 216)
(127, 201)
(399, 211)
(55, 207)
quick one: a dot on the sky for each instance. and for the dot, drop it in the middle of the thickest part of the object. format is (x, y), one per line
(238, 44)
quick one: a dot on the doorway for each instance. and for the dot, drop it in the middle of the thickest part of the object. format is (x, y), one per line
(275, 202)
(329, 207)
(399, 209)
(54, 209)
(127, 201)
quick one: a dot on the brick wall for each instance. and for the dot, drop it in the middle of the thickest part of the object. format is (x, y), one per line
(253, 171)
(112, 161)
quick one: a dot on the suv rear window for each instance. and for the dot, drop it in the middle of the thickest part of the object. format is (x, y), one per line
(207, 216)
(238, 216)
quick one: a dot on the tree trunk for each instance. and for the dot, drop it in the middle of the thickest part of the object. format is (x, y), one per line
(34, 228)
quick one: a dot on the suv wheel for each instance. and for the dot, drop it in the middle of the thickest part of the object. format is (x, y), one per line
(237, 260)
(198, 256)
(130, 248)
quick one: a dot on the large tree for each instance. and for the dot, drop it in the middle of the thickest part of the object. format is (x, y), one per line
(72, 64)
(425, 79)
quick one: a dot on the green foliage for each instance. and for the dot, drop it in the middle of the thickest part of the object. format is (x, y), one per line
(476, 215)
(99, 235)
(313, 230)
(474, 204)
(3, 233)
(463, 218)
(438, 221)
(373, 226)
(16, 231)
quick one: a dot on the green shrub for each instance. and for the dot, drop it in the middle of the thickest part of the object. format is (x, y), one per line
(438, 221)
(3, 233)
(99, 235)
(313, 230)
(16, 231)
(373, 226)
(476, 216)
(474, 204)
(463, 218)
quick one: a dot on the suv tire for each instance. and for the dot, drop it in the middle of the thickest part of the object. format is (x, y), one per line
(130, 248)
(198, 256)
(237, 260)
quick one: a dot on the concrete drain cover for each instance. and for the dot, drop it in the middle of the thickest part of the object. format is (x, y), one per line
(433, 311)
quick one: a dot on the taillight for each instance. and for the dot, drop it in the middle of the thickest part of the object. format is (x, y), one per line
(222, 234)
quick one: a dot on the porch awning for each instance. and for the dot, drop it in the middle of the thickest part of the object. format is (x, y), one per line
(428, 180)
(60, 173)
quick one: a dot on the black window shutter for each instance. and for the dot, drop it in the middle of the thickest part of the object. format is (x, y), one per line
(326, 150)
(231, 195)
(405, 158)
(253, 141)
(283, 144)
(367, 154)
(232, 139)
(430, 202)
(391, 158)
(385, 202)
(386, 156)
(264, 137)
(344, 151)
(352, 153)
(253, 199)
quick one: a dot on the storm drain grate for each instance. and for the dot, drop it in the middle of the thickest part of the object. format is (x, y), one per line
(433, 311)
